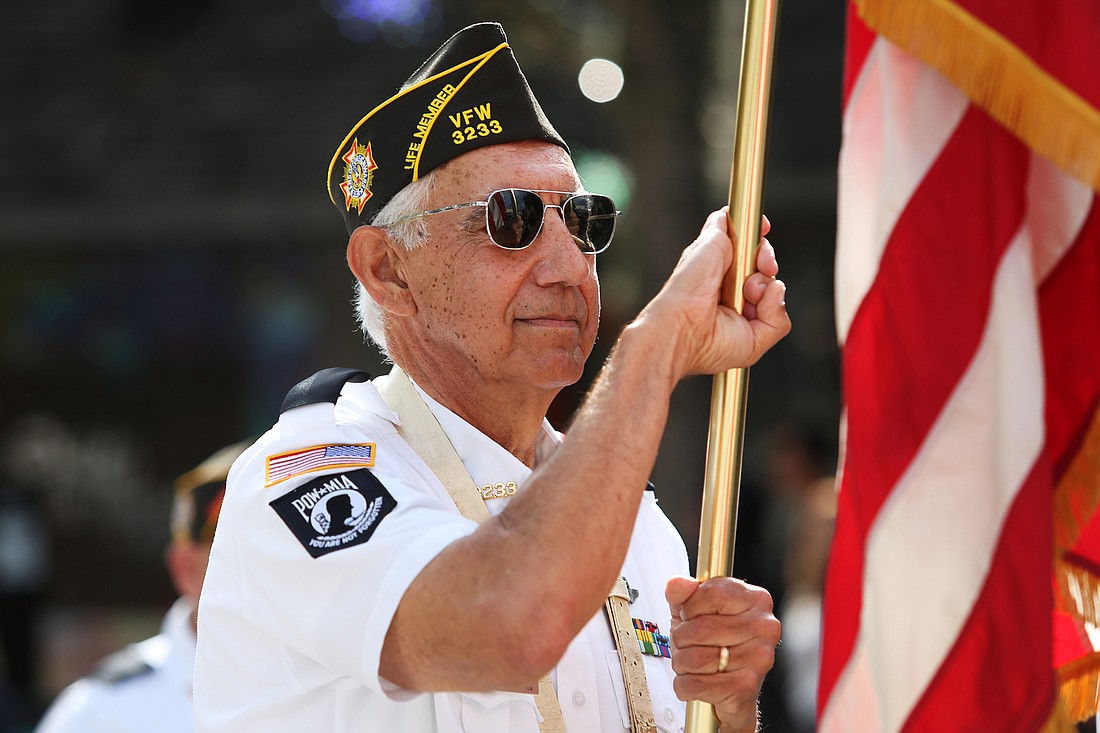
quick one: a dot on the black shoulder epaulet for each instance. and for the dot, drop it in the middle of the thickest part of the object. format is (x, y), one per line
(125, 664)
(324, 386)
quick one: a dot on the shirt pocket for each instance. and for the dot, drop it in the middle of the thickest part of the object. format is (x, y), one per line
(514, 712)
(668, 711)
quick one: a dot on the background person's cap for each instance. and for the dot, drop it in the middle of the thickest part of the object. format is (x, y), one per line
(199, 494)
(469, 94)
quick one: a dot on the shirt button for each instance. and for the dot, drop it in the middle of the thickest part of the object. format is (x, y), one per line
(578, 698)
(669, 715)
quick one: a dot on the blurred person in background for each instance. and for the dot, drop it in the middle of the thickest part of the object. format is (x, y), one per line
(813, 520)
(779, 521)
(147, 686)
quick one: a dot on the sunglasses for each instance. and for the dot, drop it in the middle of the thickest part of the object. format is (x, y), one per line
(514, 217)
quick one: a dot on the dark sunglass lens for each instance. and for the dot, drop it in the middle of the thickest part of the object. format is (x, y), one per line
(531, 211)
(591, 221)
(513, 217)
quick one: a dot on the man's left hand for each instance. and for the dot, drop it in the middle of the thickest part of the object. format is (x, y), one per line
(716, 614)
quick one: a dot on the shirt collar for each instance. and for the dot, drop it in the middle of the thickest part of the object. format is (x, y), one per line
(486, 461)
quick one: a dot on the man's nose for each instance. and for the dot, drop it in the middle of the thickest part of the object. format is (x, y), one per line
(562, 258)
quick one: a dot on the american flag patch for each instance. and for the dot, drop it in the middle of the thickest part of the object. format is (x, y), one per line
(283, 466)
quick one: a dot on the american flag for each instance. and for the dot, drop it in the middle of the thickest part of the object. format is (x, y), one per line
(283, 466)
(963, 579)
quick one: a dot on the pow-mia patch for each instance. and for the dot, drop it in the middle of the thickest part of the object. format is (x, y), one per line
(336, 511)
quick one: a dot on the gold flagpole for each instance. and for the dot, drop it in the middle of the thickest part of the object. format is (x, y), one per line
(729, 395)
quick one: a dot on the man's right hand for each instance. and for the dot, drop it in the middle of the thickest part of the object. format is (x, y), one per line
(710, 337)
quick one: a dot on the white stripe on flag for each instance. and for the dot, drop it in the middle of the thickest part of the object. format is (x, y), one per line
(899, 116)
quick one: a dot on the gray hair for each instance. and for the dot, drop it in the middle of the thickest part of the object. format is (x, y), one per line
(409, 234)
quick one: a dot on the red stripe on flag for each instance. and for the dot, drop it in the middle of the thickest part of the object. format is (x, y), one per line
(912, 338)
(859, 39)
(1069, 311)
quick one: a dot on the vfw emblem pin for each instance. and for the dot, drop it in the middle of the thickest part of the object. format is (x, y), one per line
(359, 167)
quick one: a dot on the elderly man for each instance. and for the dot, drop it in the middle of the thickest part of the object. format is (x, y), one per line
(423, 552)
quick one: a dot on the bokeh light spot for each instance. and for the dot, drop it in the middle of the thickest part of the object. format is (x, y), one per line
(400, 23)
(600, 80)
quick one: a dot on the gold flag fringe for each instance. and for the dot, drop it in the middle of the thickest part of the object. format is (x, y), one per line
(1059, 720)
(1075, 502)
(1079, 686)
(1079, 591)
(994, 74)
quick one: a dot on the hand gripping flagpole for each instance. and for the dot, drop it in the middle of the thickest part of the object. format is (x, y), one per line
(729, 395)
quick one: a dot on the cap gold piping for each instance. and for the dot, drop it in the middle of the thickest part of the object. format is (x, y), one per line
(480, 59)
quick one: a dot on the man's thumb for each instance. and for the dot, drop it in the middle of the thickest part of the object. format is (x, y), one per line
(678, 590)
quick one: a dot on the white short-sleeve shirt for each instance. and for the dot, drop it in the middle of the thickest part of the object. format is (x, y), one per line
(144, 687)
(326, 521)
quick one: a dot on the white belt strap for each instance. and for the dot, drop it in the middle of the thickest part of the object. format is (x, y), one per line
(423, 433)
(630, 659)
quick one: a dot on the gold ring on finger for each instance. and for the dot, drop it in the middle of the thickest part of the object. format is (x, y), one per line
(723, 659)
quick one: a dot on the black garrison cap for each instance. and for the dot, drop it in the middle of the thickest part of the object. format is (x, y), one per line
(469, 94)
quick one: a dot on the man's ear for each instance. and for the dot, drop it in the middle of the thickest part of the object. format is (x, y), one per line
(378, 264)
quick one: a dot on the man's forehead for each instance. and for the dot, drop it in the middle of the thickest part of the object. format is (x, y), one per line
(520, 165)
